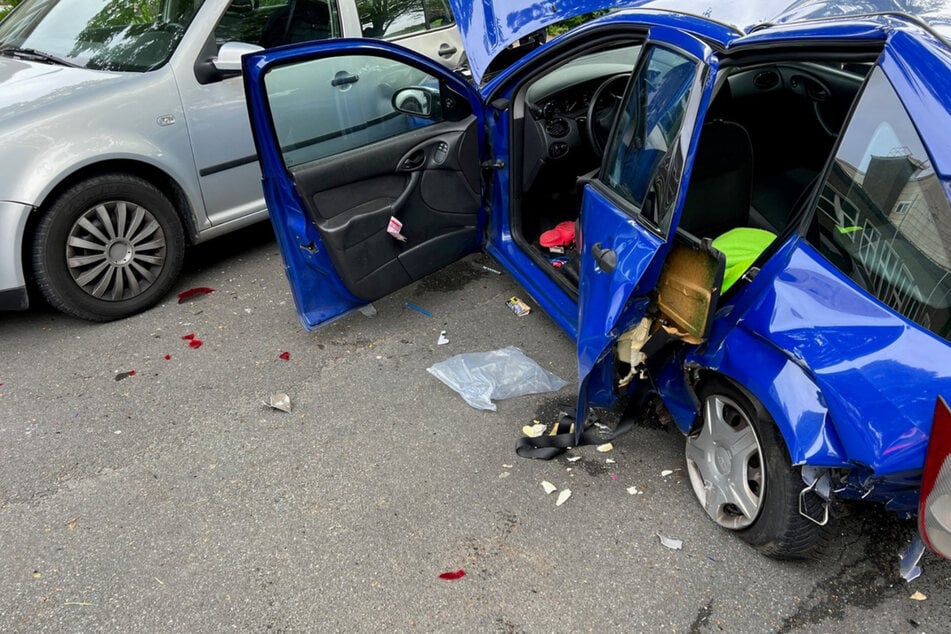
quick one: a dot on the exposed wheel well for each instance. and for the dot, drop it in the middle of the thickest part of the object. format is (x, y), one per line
(707, 377)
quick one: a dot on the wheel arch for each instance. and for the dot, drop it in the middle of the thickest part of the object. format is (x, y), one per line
(148, 172)
(786, 392)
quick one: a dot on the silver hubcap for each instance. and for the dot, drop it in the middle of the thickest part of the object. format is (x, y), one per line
(725, 464)
(115, 250)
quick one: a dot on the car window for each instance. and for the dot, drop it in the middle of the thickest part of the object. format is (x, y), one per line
(650, 120)
(120, 35)
(883, 216)
(327, 106)
(276, 22)
(388, 19)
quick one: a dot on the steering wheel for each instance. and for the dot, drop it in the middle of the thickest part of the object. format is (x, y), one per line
(602, 110)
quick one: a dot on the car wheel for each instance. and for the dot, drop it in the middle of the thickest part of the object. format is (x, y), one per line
(741, 474)
(108, 247)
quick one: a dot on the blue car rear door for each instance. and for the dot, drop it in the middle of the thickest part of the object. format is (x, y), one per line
(370, 161)
(630, 212)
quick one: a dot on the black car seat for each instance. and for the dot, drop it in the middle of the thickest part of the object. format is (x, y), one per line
(720, 190)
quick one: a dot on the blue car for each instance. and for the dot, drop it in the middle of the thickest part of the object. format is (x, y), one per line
(752, 222)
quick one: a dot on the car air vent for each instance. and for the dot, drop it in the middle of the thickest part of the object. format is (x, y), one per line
(766, 79)
(557, 128)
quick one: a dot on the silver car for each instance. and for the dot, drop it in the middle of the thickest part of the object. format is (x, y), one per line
(124, 133)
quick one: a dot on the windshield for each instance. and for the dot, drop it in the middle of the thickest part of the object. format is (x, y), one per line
(121, 35)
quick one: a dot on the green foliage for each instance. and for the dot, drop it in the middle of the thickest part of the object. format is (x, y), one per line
(7, 9)
(567, 25)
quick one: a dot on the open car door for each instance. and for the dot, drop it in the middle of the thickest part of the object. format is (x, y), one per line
(370, 159)
(630, 212)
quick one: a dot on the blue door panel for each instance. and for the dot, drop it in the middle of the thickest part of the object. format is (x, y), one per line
(603, 295)
(307, 264)
(319, 292)
(612, 300)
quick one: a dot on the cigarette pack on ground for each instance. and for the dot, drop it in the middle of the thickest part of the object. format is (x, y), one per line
(518, 307)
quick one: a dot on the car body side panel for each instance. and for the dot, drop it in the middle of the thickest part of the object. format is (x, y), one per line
(785, 389)
(877, 374)
(13, 218)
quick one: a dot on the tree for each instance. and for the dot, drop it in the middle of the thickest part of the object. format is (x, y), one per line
(8, 8)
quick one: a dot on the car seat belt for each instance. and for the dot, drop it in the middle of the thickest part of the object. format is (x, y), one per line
(562, 435)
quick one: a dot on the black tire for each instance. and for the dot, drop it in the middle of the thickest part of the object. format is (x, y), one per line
(760, 475)
(108, 247)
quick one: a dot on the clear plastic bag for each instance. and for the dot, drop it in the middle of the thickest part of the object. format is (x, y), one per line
(480, 377)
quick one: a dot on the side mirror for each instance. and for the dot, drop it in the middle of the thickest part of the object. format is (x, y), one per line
(418, 101)
(228, 61)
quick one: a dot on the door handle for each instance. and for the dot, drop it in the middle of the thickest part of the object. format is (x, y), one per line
(606, 258)
(446, 50)
(343, 78)
(413, 161)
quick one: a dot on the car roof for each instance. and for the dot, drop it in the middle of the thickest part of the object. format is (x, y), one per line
(936, 14)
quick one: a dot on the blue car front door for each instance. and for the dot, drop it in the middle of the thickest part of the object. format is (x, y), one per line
(630, 212)
(370, 158)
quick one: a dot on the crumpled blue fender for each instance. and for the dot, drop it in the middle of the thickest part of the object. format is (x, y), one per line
(784, 389)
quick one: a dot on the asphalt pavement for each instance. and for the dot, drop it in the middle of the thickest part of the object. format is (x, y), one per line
(175, 500)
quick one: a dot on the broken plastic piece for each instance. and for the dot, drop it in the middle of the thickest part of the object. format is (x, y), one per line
(442, 340)
(910, 556)
(125, 375)
(280, 401)
(548, 487)
(563, 497)
(631, 353)
(606, 447)
(189, 336)
(610, 461)
(491, 270)
(666, 472)
(419, 310)
(574, 459)
(668, 542)
(195, 343)
(452, 576)
(168, 357)
(634, 491)
(918, 596)
(192, 293)
(284, 356)
(518, 307)
(534, 431)
(480, 377)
